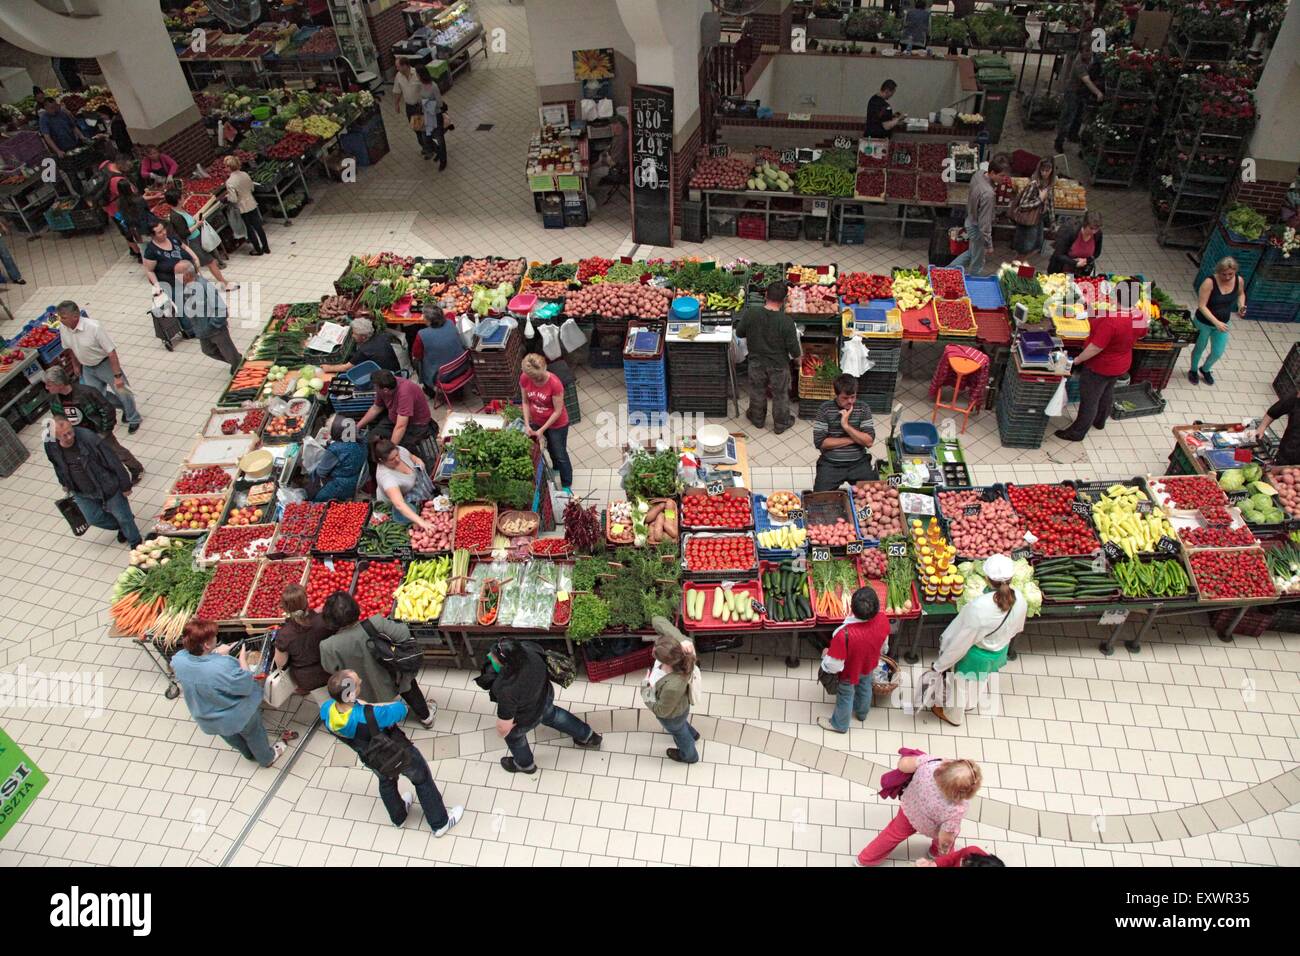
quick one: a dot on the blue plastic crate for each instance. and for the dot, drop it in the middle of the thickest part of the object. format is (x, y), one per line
(1224, 242)
(1271, 290)
(762, 522)
(985, 292)
(1272, 311)
(648, 370)
(649, 397)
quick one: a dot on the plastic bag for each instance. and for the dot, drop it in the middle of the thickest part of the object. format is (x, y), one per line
(313, 449)
(209, 238)
(162, 306)
(853, 357)
(529, 331)
(551, 342)
(588, 110)
(739, 350)
(1057, 405)
(571, 336)
(605, 109)
(465, 328)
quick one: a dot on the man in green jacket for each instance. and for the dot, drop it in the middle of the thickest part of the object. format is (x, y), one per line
(773, 343)
(86, 408)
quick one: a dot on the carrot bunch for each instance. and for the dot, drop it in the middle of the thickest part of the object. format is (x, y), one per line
(134, 616)
(250, 375)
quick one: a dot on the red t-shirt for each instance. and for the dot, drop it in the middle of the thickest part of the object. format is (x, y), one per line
(865, 639)
(406, 399)
(1114, 335)
(544, 399)
(956, 856)
(1083, 248)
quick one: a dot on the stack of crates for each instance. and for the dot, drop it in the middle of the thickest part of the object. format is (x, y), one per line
(698, 379)
(12, 451)
(877, 386)
(647, 380)
(571, 403)
(606, 347)
(497, 371)
(1021, 407)
(1288, 376)
(1222, 243)
(1273, 294)
(1154, 363)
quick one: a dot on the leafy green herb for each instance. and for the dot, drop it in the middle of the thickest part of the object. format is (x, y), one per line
(588, 618)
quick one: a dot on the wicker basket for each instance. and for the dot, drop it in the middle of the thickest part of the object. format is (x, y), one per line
(885, 689)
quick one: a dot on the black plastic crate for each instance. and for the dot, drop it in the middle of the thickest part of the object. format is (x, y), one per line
(1143, 395)
(713, 407)
(598, 357)
(808, 408)
(874, 381)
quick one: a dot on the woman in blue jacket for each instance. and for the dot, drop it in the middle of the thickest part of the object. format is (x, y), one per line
(335, 476)
(221, 694)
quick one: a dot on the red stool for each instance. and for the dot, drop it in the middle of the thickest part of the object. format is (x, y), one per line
(962, 367)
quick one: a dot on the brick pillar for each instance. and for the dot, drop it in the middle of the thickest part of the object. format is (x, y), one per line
(191, 146)
(683, 166)
(386, 29)
(1265, 196)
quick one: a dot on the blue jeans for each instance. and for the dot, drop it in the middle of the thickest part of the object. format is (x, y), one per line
(112, 515)
(1207, 334)
(851, 697)
(10, 271)
(683, 735)
(972, 260)
(252, 742)
(557, 443)
(100, 378)
(557, 718)
(337, 489)
(1028, 239)
(426, 791)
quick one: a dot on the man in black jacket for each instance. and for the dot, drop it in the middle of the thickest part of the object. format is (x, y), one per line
(85, 407)
(90, 472)
(517, 681)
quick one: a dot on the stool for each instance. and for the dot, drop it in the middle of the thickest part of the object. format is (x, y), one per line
(963, 367)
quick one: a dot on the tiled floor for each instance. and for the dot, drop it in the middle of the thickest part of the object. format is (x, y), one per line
(1185, 754)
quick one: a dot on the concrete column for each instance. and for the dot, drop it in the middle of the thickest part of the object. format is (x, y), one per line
(1273, 144)
(132, 47)
(667, 38)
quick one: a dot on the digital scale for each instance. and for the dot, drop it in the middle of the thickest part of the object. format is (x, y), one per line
(1036, 350)
(494, 340)
(727, 456)
(641, 342)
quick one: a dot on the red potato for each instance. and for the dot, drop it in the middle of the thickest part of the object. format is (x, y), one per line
(616, 301)
(839, 533)
(1287, 483)
(995, 530)
(886, 515)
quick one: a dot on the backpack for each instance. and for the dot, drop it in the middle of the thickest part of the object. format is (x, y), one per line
(399, 658)
(559, 667)
(387, 752)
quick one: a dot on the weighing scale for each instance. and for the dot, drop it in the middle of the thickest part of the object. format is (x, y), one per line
(1036, 348)
(641, 341)
(727, 456)
(494, 340)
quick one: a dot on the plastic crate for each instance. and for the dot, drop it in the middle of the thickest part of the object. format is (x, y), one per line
(1263, 311)
(985, 293)
(72, 220)
(1158, 378)
(637, 660)
(1224, 242)
(604, 357)
(1143, 395)
(785, 227)
(12, 451)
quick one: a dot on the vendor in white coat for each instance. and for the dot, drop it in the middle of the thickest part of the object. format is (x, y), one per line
(975, 644)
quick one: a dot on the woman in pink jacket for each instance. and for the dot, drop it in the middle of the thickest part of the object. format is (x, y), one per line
(933, 805)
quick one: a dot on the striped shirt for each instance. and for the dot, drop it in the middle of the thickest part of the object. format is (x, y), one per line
(827, 425)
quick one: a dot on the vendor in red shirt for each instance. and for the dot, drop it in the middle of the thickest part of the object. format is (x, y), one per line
(545, 414)
(1106, 356)
(853, 654)
(400, 412)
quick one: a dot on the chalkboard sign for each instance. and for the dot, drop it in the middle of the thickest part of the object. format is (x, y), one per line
(651, 154)
(896, 549)
(821, 554)
(971, 511)
(894, 481)
(1166, 545)
(1081, 508)
(864, 513)
(714, 488)
(1113, 551)
(1144, 506)
(843, 142)
(788, 156)
(1237, 497)
(854, 547)
(1018, 553)
(794, 514)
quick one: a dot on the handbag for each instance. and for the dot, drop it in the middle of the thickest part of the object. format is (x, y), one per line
(387, 752)
(278, 688)
(416, 122)
(209, 238)
(71, 512)
(1023, 215)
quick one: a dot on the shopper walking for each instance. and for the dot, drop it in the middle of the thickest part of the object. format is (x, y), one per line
(239, 191)
(335, 476)
(1078, 246)
(916, 28)
(436, 345)
(400, 412)
(407, 98)
(667, 689)
(161, 254)
(843, 432)
(190, 230)
(432, 109)
(298, 640)
(84, 407)
(975, 644)
(853, 654)
(1214, 310)
(9, 271)
(773, 343)
(1078, 85)
(1034, 208)
(981, 207)
(93, 475)
(95, 361)
(374, 734)
(933, 804)
(402, 480)
(518, 682)
(134, 217)
(1107, 354)
(205, 311)
(221, 694)
(119, 185)
(545, 414)
(358, 646)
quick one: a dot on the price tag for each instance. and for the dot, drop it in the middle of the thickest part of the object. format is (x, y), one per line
(1144, 506)
(853, 547)
(843, 142)
(329, 564)
(1113, 551)
(1081, 508)
(971, 511)
(794, 514)
(787, 155)
(1237, 497)
(894, 481)
(1166, 545)
(626, 260)
(556, 262)
(714, 488)
(758, 606)
(864, 513)
(1110, 618)
(821, 554)
(1018, 553)
(402, 554)
(896, 549)
(1099, 563)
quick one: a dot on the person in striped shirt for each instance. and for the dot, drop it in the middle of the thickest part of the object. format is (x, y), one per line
(842, 432)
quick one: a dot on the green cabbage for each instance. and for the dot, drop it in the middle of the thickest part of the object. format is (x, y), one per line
(1234, 479)
(1261, 503)
(1252, 471)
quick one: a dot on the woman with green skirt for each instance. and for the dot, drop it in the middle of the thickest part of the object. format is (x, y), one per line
(975, 644)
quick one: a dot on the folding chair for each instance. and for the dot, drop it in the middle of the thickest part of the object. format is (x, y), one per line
(460, 372)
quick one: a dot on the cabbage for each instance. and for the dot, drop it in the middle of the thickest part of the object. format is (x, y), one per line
(1234, 479)
(1033, 597)
(1261, 503)
(1261, 488)
(1252, 471)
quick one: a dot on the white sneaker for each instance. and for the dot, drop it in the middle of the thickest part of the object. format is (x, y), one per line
(408, 798)
(278, 749)
(453, 818)
(433, 712)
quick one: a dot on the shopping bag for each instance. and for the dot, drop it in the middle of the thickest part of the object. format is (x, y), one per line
(277, 689)
(529, 331)
(551, 342)
(853, 358)
(313, 449)
(465, 328)
(209, 238)
(1057, 405)
(571, 336)
(71, 512)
